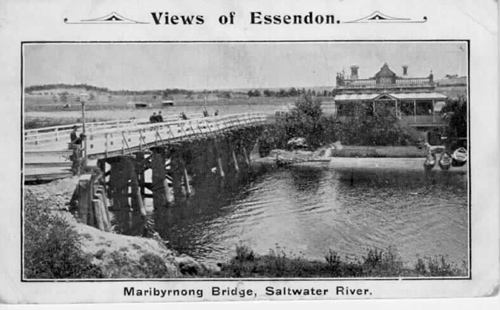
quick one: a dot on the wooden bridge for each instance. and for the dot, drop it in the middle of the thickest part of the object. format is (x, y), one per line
(47, 155)
(131, 160)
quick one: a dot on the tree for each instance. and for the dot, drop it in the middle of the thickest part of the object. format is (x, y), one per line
(364, 127)
(254, 93)
(305, 120)
(63, 97)
(293, 92)
(165, 95)
(455, 112)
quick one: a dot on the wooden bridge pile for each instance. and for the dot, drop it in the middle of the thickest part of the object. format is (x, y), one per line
(93, 203)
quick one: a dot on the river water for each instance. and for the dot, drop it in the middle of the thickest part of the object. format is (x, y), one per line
(348, 206)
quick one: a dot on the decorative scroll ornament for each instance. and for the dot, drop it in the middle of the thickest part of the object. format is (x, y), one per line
(381, 18)
(111, 18)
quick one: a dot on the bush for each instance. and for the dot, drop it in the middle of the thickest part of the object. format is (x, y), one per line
(153, 266)
(52, 247)
(363, 127)
(244, 253)
(382, 263)
(377, 263)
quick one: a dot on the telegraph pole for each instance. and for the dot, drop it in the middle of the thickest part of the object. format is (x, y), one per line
(82, 101)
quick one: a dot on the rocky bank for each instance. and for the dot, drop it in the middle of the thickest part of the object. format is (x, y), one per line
(117, 256)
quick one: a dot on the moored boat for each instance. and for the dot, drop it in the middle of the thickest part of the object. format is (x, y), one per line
(445, 161)
(430, 162)
(459, 157)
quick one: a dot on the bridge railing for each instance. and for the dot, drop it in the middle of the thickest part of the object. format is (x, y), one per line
(132, 139)
(61, 133)
(124, 138)
(55, 133)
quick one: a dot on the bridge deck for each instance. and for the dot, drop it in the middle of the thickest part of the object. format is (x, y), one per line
(46, 149)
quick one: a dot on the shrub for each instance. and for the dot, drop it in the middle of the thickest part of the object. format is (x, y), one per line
(52, 247)
(244, 253)
(382, 263)
(153, 266)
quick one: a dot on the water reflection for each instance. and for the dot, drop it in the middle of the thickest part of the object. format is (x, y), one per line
(309, 209)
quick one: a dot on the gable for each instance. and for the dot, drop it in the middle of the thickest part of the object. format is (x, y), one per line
(384, 97)
(385, 72)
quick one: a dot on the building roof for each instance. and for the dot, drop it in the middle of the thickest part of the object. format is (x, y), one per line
(385, 72)
(398, 96)
(419, 96)
(354, 97)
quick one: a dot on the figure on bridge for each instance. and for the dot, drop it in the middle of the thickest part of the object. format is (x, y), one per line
(159, 118)
(76, 146)
(73, 136)
(152, 118)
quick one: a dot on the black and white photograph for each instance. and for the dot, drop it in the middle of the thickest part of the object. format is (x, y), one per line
(274, 153)
(246, 160)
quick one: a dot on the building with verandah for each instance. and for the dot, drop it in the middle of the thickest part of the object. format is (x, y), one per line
(412, 100)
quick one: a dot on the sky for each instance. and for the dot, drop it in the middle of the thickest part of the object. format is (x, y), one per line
(232, 65)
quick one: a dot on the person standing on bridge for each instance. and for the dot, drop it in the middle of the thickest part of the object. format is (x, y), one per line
(152, 118)
(73, 136)
(76, 146)
(159, 118)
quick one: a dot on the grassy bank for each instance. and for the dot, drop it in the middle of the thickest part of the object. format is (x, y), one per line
(377, 263)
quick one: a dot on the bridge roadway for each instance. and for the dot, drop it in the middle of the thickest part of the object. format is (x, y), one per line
(46, 150)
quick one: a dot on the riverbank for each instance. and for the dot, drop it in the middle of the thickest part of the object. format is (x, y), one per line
(57, 246)
(337, 150)
(377, 263)
(352, 157)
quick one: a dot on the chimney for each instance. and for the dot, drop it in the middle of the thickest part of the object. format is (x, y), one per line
(354, 72)
(405, 70)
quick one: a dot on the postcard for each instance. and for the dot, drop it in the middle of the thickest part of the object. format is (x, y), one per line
(186, 151)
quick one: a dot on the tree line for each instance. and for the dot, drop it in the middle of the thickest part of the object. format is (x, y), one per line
(291, 92)
(167, 93)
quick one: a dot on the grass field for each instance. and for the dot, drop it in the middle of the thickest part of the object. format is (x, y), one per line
(44, 110)
(41, 110)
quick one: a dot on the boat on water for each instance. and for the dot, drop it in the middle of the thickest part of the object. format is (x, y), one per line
(445, 161)
(459, 157)
(430, 162)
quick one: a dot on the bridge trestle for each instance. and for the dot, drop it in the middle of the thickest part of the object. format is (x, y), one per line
(169, 173)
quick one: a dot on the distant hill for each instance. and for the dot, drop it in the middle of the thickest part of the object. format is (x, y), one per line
(60, 88)
(73, 89)
(76, 89)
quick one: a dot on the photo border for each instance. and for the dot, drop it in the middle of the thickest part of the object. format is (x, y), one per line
(469, 187)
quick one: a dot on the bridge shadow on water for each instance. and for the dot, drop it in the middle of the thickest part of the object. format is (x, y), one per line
(210, 194)
(266, 200)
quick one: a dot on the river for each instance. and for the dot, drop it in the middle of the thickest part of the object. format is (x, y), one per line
(348, 206)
